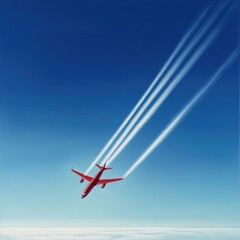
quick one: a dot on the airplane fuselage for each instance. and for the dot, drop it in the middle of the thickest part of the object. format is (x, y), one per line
(94, 181)
(92, 184)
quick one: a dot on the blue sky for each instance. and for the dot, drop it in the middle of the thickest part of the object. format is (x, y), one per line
(70, 73)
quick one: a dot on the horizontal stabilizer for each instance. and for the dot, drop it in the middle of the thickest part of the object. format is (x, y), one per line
(108, 168)
(100, 167)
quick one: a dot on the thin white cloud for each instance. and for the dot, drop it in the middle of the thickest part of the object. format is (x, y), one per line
(120, 233)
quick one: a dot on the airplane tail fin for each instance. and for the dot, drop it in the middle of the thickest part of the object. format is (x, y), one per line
(100, 167)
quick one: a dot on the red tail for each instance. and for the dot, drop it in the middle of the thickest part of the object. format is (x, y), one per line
(100, 167)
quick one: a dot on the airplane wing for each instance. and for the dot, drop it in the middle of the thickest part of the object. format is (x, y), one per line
(105, 181)
(85, 177)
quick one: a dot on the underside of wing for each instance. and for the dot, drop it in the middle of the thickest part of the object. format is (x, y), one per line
(85, 177)
(106, 181)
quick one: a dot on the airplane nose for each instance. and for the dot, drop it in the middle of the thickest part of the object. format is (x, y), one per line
(83, 196)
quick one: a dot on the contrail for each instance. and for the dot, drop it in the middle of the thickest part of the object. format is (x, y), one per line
(167, 77)
(186, 37)
(184, 111)
(197, 38)
(172, 85)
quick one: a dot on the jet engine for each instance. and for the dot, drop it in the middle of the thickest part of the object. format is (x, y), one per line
(82, 180)
(103, 186)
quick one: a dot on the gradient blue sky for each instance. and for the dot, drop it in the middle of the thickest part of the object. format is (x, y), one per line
(70, 73)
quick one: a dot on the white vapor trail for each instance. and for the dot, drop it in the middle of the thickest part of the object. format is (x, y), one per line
(212, 35)
(184, 112)
(150, 88)
(108, 158)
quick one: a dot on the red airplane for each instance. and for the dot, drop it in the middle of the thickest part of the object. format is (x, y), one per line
(96, 180)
